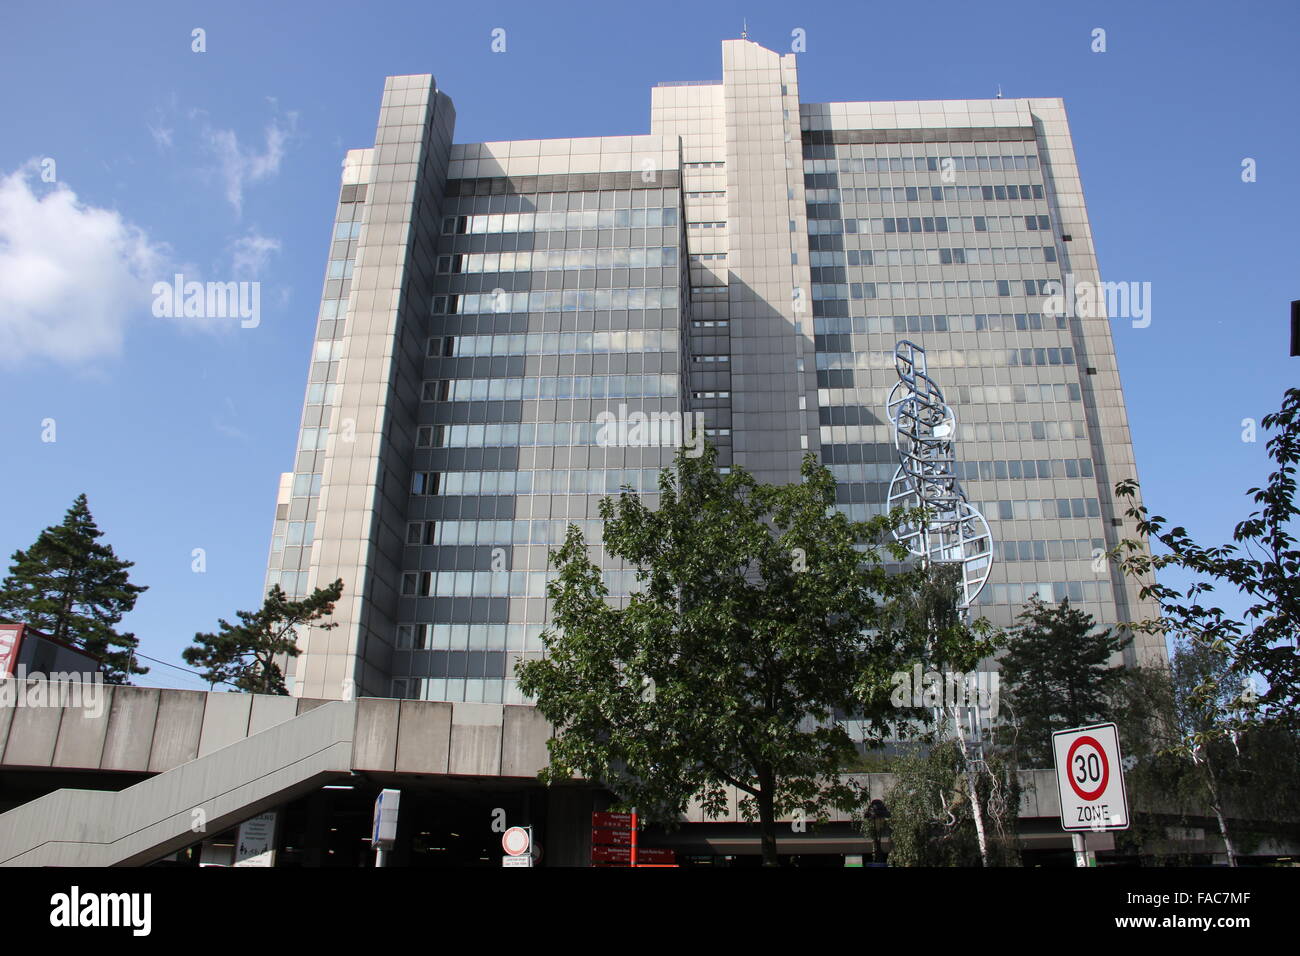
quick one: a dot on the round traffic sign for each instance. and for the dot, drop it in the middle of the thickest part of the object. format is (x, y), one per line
(1088, 768)
(515, 841)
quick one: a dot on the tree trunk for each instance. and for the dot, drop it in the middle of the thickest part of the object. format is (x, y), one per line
(61, 621)
(1217, 806)
(977, 811)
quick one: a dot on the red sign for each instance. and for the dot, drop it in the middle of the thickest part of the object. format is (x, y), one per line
(515, 841)
(603, 837)
(623, 854)
(611, 821)
(1094, 769)
(10, 637)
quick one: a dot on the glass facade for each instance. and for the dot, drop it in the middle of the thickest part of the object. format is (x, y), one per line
(880, 216)
(549, 309)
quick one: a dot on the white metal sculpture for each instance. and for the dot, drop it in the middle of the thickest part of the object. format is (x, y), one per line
(951, 530)
(925, 431)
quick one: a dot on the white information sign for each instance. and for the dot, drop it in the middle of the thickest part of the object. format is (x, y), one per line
(1090, 778)
(255, 844)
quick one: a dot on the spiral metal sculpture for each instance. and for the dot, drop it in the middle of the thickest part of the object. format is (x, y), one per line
(925, 431)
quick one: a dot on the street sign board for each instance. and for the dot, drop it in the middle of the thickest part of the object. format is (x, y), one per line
(515, 841)
(384, 830)
(602, 837)
(10, 638)
(255, 844)
(516, 861)
(611, 821)
(1090, 778)
(623, 854)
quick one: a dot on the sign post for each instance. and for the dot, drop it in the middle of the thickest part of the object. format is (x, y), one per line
(518, 844)
(1090, 783)
(614, 842)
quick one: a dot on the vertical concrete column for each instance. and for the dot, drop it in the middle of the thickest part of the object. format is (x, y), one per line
(770, 293)
(365, 480)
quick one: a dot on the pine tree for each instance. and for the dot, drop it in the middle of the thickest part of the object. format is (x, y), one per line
(73, 588)
(1055, 675)
(246, 654)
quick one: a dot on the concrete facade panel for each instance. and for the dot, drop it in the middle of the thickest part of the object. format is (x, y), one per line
(476, 739)
(523, 742)
(268, 711)
(376, 734)
(130, 728)
(33, 733)
(225, 720)
(83, 731)
(177, 729)
(424, 737)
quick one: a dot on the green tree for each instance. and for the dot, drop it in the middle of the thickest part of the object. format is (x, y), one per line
(1262, 562)
(730, 665)
(74, 588)
(1208, 711)
(246, 654)
(923, 624)
(931, 816)
(1056, 674)
(1191, 750)
(1160, 783)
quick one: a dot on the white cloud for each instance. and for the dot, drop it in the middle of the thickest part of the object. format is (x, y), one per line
(222, 422)
(71, 275)
(159, 130)
(238, 166)
(250, 254)
(162, 136)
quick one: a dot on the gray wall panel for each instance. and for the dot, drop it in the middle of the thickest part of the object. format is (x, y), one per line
(176, 732)
(375, 737)
(83, 730)
(424, 737)
(225, 721)
(476, 739)
(130, 728)
(33, 732)
(523, 743)
(268, 711)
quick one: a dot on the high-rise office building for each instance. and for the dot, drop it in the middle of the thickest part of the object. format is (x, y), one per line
(489, 307)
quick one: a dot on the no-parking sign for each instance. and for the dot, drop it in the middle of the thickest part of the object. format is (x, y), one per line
(516, 841)
(1090, 778)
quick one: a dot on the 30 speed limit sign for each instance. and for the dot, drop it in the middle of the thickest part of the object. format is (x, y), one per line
(1090, 778)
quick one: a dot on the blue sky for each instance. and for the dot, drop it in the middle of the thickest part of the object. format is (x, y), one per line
(225, 165)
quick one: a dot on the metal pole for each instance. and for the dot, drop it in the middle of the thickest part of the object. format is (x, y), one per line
(633, 836)
(379, 856)
(1080, 842)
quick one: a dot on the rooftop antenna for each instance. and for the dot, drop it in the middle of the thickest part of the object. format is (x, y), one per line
(999, 91)
(744, 29)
